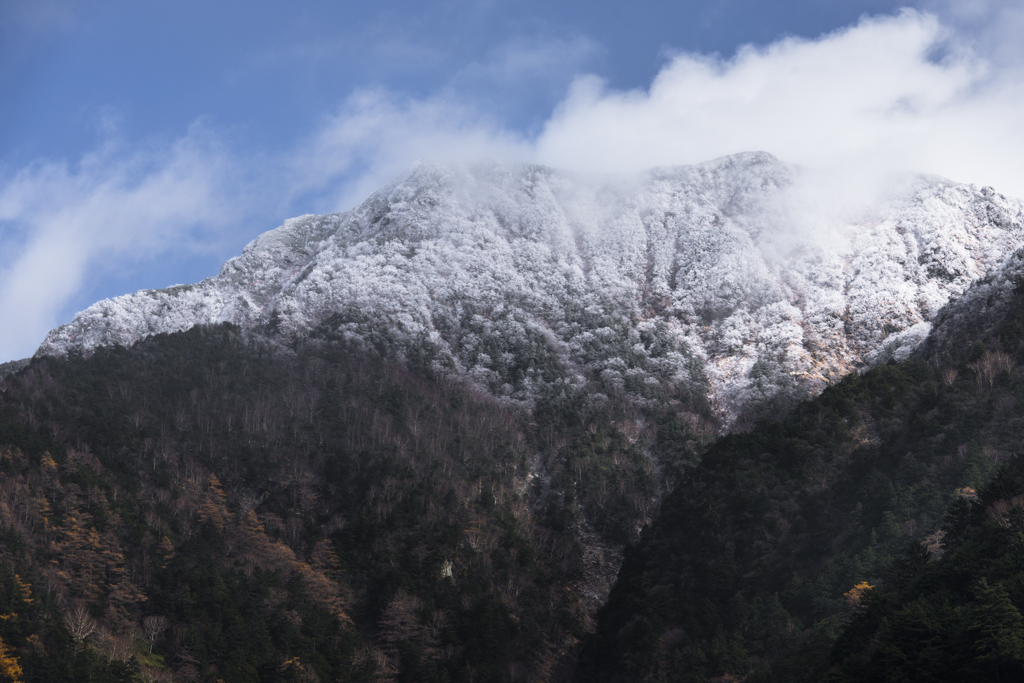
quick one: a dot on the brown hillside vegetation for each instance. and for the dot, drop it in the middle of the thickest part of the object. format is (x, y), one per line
(207, 507)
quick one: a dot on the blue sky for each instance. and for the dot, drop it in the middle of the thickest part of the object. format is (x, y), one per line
(142, 144)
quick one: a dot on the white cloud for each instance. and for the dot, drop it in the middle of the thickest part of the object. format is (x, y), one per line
(60, 222)
(868, 94)
(902, 92)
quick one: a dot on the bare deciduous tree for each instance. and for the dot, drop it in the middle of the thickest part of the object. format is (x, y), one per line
(80, 624)
(152, 627)
(988, 367)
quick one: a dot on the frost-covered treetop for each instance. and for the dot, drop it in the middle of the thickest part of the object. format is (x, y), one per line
(721, 280)
(980, 312)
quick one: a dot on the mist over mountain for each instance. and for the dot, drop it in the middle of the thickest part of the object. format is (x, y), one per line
(734, 281)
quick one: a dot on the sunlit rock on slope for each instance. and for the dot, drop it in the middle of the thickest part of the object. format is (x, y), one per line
(709, 280)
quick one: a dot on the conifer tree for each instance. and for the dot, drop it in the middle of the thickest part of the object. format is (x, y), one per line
(1000, 628)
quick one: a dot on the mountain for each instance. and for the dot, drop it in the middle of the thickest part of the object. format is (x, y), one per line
(421, 440)
(712, 284)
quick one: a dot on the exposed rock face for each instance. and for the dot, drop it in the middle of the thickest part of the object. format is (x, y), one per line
(703, 280)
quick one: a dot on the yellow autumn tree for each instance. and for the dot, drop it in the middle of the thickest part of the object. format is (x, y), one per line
(856, 594)
(214, 505)
(10, 670)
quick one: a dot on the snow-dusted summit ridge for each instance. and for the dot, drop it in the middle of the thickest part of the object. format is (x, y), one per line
(702, 280)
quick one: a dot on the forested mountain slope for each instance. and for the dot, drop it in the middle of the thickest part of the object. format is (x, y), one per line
(951, 615)
(759, 557)
(214, 506)
(720, 282)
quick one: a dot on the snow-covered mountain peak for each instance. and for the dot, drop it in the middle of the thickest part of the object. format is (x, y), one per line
(737, 280)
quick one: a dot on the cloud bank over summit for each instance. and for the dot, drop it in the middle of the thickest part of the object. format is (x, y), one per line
(903, 93)
(935, 92)
(870, 93)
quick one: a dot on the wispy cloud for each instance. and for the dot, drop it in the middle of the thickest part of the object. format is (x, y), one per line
(377, 135)
(991, 28)
(60, 222)
(535, 62)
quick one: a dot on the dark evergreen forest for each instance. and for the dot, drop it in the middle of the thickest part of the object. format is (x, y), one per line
(875, 534)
